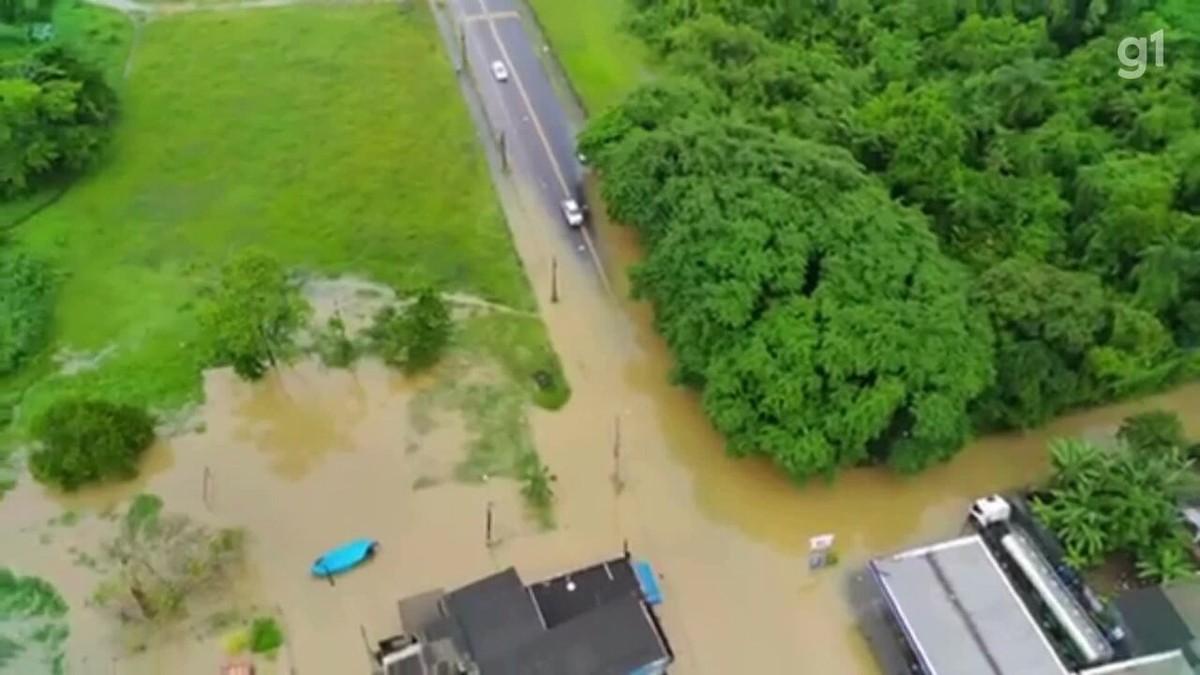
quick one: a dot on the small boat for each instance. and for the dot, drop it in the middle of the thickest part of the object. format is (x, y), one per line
(344, 558)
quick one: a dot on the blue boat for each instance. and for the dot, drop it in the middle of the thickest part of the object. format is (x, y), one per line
(344, 558)
(648, 580)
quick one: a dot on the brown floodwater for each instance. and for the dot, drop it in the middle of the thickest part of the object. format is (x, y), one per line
(312, 457)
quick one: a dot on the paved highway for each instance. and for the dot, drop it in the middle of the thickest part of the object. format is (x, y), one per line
(539, 137)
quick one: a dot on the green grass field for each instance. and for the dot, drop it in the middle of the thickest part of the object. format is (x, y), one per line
(602, 59)
(334, 137)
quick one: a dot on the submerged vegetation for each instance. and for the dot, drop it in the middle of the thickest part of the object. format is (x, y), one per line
(872, 229)
(157, 562)
(33, 627)
(263, 635)
(412, 338)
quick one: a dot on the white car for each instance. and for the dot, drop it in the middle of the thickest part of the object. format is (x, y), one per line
(572, 212)
(500, 71)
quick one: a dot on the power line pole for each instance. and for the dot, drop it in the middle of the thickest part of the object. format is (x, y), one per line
(502, 142)
(462, 44)
(554, 279)
(488, 533)
(618, 482)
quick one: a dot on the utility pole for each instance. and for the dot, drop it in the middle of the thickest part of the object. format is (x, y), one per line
(618, 483)
(502, 142)
(554, 279)
(488, 534)
(462, 44)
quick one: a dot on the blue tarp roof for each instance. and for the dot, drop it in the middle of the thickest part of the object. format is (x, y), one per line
(648, 580)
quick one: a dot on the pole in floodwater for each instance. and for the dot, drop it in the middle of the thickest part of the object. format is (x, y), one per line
(618, 482)
(488, 533)
(206, 488)
(367, 643)
(554, 279)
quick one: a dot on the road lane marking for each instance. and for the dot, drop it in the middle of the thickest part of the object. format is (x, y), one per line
(587, 239)
(528, 105)
(488, 16)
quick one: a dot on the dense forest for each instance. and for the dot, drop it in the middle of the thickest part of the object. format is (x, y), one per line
(875, 227)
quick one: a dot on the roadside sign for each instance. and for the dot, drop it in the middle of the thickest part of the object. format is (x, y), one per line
(819, 548)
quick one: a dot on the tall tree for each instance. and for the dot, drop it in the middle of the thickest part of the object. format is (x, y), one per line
(253, 315)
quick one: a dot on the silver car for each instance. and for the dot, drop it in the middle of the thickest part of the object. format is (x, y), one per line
(572, 212)
(500, 71)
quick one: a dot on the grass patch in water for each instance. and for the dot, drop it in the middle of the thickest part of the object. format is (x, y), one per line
(489, 378)
(33, 626)
(263, 636)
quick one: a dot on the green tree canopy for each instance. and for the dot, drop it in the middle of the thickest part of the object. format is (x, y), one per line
(1155, 431)
(55, 114)
(87, 441)
(818, 317)
(253, 315)
(820, 185)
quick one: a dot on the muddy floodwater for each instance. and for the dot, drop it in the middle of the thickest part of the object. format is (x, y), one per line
(313, 457)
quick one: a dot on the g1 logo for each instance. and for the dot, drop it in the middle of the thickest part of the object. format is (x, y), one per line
(1131, 52)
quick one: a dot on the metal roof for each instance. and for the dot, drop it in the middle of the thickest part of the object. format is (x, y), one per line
(961, 614)
(1167, 663)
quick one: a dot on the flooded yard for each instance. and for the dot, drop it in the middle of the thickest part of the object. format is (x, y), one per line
(312, 457)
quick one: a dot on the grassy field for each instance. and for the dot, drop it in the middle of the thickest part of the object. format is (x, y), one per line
(334, 137)
(602, 59)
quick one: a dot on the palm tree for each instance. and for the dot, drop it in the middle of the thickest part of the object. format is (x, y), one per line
(1081, 527)
(1166, 562)
(1076, 462)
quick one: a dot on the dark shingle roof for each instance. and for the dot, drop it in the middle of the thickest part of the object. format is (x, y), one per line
(614, 639)
(593, 586)
(496, 613)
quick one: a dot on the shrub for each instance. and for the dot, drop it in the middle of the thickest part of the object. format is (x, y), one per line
(88, 441)
(334, 346)
(1153, 431)
(537, 487)
(414, 339)
(265, 635)
(26, 307)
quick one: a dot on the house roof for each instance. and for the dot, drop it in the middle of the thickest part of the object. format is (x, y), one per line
(960, 612)
(618, 637)
(418, 611)
(497, 614)
(567, 596)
